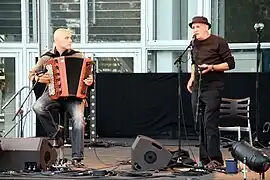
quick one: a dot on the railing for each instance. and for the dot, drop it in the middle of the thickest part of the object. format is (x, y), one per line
(14, 96)
(19, 112)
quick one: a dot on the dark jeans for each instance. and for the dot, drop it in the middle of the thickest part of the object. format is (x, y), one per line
(207, 123)
(42, 108)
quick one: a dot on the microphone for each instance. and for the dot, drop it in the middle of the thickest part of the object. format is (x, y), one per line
(193, 40)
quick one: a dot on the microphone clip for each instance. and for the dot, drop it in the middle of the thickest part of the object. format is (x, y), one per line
(201, 68)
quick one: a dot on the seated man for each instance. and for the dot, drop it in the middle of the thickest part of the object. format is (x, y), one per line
(73, 105)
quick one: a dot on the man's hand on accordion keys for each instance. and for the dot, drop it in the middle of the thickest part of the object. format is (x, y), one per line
(89, 80)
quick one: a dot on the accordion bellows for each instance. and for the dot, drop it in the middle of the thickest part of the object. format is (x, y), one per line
(67, 75)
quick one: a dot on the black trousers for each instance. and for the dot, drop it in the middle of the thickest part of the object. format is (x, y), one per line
(206, 123)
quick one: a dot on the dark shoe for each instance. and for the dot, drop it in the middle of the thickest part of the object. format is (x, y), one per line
(77, 163)
(213, 165)
(204, 161)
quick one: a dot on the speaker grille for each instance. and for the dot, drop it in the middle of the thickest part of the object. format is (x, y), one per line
(150, 157)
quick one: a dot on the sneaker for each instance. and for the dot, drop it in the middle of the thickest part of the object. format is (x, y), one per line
(77, 163)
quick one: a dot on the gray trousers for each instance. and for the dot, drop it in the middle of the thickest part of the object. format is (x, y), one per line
(75, 108)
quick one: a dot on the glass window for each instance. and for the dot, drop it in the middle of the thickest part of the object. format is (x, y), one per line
(234, 20)
(33, 23)
(171, 18)
(114, 20)
(245, 60)
(266, 60)
(115, 64)
(163, 61)
(10, 21)
(66, 13)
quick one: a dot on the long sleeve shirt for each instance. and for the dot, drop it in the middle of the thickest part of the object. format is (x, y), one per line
(213, 50)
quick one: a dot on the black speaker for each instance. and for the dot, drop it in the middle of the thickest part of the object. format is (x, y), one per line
(33, 154)
(148, 154)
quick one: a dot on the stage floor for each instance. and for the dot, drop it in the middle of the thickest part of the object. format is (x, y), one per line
(103, 158)
(108, 158)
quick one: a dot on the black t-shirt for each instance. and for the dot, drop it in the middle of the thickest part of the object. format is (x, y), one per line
(213, 50)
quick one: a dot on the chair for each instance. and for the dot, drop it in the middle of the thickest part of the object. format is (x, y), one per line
(233, 114)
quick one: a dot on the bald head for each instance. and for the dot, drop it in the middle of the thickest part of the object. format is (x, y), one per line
(62, 39)
(201, 30)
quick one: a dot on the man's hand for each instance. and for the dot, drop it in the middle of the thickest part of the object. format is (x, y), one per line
(43, 78)
(89, 80)
(205, 68)
(190, 85)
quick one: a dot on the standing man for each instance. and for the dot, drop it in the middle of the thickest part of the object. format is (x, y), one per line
(73, 105)
(211, 57)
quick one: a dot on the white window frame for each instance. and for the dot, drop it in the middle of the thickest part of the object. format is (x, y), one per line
(167, 44)
(136, 55)
(208, 9)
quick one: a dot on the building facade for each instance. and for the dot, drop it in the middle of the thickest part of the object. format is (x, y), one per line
(124, 36)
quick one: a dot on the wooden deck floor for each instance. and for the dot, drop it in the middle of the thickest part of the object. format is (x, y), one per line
(107, 158)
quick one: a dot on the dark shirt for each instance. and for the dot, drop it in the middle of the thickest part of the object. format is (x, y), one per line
(54, 53)
(213, 50)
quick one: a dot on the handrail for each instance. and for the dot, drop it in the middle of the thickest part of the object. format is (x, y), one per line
(14, 96)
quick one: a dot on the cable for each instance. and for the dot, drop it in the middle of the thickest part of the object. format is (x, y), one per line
(117, 165)
(180, 103)
(184, 123)
(201, 121)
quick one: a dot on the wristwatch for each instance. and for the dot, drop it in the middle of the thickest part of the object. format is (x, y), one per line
(212, 68)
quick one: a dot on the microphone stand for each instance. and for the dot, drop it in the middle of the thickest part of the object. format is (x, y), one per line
(178, 62)
(259, 51)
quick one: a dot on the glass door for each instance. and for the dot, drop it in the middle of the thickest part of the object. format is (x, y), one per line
(116, 62)
(7, 90)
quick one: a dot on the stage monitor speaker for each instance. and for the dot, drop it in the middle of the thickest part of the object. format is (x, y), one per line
(21, 154)
(148, 154)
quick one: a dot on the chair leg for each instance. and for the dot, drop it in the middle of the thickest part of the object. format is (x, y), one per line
(239, 134)
(61, 153)
(250, 137)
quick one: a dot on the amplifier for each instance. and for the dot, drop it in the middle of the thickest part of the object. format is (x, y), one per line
(33, 154)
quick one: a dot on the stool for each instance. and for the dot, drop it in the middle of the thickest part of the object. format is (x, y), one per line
(61, 117)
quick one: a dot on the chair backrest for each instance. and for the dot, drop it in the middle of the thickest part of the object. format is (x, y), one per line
(237, 108)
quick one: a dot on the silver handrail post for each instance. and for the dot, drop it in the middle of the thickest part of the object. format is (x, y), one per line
(20, 115)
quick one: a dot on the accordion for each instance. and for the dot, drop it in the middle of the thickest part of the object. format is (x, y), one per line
(67, 75)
